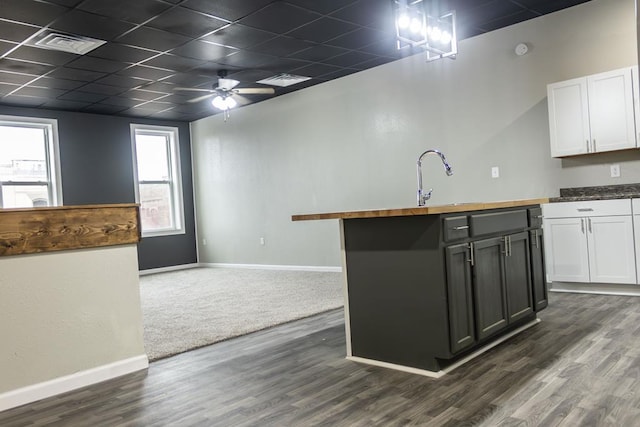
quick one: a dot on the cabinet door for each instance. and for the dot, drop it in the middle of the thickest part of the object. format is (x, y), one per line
(611, 111)
(489, 287)
(611, 249)
(569, 117)
(538, 279)
(518, 277)
(460, 297)
(568, 259)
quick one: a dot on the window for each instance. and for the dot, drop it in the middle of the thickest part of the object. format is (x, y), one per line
(29, 165)
(157, 175)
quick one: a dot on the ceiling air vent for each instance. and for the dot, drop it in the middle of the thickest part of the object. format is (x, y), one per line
(67, 43)
(283, 80)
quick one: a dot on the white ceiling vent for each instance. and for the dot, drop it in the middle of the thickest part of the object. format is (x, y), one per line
(283, 80)
(67, 43)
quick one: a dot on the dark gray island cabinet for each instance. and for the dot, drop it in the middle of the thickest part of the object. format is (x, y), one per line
(428, 288)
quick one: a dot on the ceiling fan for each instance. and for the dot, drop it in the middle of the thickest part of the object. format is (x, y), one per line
(226, 95)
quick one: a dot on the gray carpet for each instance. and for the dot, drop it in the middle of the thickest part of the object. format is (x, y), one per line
(187, 309)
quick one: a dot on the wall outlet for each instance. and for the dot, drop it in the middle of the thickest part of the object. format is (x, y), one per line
(204, 242)
(495, 172)
(262, 241)
(615, 171)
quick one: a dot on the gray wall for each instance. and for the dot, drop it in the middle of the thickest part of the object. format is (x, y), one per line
(352, 143)
(96, 167)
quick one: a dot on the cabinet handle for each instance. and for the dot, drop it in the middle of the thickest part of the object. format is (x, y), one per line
(589, 221)
(594, 145)
(471, 260)
(461, 227)
(585, 209)
(509, 237)
(582, 225)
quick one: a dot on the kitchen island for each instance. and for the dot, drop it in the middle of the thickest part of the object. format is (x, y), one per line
(427, 288)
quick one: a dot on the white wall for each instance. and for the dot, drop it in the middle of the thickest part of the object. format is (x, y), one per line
(352, 143)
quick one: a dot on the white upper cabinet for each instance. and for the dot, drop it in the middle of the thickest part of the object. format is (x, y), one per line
(592, 114)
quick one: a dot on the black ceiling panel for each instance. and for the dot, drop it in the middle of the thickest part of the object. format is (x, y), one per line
(90, 25)
(16, 32)
(31, 11)
(187, 22)
(280, 17)
(323, 29)
(136, 11)
(157, 46)
(152, 38)
(230, 10)
(239, 36)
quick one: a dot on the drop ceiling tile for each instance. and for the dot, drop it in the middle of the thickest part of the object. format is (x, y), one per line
(173, 62)
(230, 10)
(96, 64)
(122, 81)
(162, 87)
(16, 32)
(42, 92)
(324, 6)
(250, 76)
(103, 89)
(6, 88)
(495, 9)
(142, 94)
(104, 109)
(549, 6)
(282, 46)
(187, 22)
(245, 59)
(153, 106)
(42, 56)
(315, 70)
(205, 51)
(75, 74)
(384, 47)
(24, 101)
(509, 20)
(282, 65)
(372, 13)
(239, 36)
(87, 24)
(319, 52)
(323, 29)
(152, 38)
(137, 11)
(6, 47)
(358, 38)
(56, 83)
(210, 70)
(349, 59)
(120, 101)
(66, 3)
(279, 17)
(16, 78)
(31, 11)
(23, 67)
(77, 95)
(60, 104)
(188, 80)
(179, 97)
(376, 61)
(338, 73)
(144, 72)
(121, 53)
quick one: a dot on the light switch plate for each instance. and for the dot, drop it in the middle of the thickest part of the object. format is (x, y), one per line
(495, 172)
(615, 171)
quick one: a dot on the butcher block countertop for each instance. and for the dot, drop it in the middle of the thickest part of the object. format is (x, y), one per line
(426, 210)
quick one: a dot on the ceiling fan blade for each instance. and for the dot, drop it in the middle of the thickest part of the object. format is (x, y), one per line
(227, 84)
(193, 89)
(241, 100)
(200, 98)
(255, 90)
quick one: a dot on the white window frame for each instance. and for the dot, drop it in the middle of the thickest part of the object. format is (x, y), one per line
(52, 152)
(175, 173)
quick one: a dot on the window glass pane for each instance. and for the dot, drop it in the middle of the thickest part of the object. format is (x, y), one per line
(155, 207)
(22, 154)
(151, 153)
(24, 196)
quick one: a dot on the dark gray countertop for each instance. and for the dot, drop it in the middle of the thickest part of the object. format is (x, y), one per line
(604, 192)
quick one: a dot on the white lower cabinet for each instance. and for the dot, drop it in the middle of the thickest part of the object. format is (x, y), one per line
(590, 242)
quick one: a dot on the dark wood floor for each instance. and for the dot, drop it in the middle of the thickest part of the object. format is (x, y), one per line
(579, 367)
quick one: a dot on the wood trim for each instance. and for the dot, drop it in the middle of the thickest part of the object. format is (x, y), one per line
(427, 210)
(36, 230)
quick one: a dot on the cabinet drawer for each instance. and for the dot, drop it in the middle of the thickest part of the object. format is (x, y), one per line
(455, 228)
(535, 217)
(498, 222)
(588, 208)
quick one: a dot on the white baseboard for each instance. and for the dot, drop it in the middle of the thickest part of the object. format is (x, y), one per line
(596, 288)
(32, 393)
(440, 373)
(166, 269)
(273, 267)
